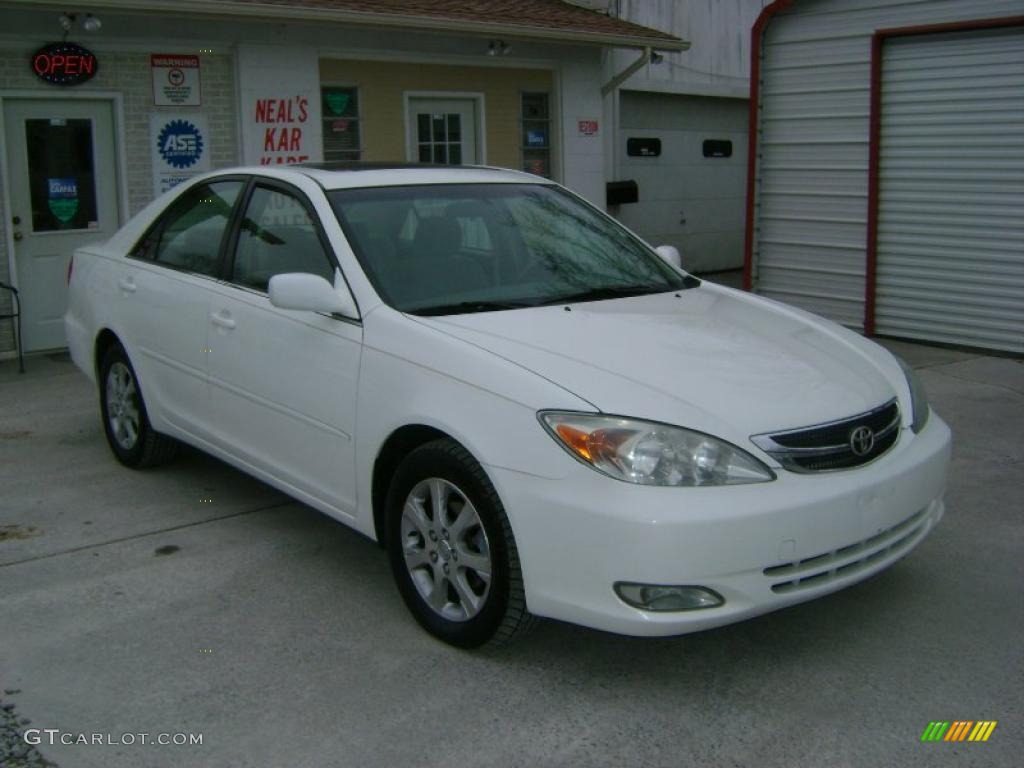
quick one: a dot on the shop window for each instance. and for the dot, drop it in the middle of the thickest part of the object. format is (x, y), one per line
(536, 131)
(342, 130)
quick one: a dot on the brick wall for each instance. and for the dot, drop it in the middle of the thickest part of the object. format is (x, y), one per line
(128, 74)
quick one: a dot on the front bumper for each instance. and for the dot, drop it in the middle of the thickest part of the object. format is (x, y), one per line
(762, 547)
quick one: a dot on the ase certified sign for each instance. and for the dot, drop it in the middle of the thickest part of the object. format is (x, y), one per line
(180, 148)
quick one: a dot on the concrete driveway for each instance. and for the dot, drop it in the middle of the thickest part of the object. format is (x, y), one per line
(192, 599)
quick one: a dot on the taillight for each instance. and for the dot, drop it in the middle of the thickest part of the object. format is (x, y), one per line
(71, 267)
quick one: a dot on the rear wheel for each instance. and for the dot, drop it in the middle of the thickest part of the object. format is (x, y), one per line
(125, 422)
(451, 549)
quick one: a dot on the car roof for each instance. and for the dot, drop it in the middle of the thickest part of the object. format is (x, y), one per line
(367, 174)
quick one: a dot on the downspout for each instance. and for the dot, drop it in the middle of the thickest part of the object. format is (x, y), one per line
(611, 88)
(628, 72)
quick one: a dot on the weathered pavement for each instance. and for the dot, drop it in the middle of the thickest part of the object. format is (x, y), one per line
(276, 633)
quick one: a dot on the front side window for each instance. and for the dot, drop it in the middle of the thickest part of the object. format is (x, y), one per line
(277, 235)
(440, 249)
(190, 234)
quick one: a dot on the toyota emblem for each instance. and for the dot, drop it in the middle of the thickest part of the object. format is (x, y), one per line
(862, 440)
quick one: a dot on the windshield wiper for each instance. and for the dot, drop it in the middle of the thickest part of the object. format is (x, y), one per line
(616, 292)
(466, 307)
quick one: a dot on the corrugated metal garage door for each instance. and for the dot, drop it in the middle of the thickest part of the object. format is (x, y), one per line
(950, 253)
(811, 211)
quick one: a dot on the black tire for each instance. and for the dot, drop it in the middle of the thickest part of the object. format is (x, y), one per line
(502, 614)
(148, 448)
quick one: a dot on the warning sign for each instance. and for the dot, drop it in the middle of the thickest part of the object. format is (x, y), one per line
(175, 80)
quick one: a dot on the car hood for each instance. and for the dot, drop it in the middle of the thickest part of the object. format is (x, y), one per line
(709, 358)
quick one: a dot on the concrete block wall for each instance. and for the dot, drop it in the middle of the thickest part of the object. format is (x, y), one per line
(127, 73)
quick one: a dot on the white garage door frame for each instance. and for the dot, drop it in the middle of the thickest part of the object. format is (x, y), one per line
(874, 163)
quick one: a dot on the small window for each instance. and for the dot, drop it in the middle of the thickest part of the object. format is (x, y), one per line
(717, 148)
(536, 130)
(192, 229)
(439, 138)
(277, 235)
(341, 127)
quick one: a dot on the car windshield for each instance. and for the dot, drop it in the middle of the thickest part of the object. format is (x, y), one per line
(458, 248)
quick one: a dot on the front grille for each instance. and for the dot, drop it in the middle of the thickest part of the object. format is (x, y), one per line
(831, 446)
(828, 566)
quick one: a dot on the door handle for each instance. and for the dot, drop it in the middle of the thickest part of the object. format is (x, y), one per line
(126, 284)
(224, 321)
(18, 236)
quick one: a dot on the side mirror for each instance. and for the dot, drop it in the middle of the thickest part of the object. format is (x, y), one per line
(301, 290)
(670, 254)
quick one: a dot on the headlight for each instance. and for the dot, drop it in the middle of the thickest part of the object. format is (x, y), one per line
(648, 453)
(918, 397)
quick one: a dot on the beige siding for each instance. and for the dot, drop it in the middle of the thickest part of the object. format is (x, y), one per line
(382, 85)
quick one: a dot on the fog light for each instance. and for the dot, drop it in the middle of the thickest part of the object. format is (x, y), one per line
(655, 597)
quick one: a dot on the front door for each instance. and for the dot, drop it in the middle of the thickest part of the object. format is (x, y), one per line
(283, 382)
(63, 186)
(443, 131)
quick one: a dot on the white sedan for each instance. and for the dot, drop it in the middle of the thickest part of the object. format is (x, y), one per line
(533, 411)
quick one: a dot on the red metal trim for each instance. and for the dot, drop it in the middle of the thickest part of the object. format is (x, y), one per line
(875, 133)
(756, 36)
(953, 26)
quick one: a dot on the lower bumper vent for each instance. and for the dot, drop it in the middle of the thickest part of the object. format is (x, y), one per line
(853, 558)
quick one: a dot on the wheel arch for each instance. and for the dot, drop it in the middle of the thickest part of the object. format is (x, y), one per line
(105, 339)
(399, 444)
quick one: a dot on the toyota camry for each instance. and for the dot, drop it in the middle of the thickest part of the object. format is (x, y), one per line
(534, 412)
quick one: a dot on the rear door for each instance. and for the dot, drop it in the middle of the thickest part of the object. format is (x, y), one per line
(283, 383)
(164, 295)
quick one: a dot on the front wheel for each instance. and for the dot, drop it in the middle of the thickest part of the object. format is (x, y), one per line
(451, 549)
(131, 437)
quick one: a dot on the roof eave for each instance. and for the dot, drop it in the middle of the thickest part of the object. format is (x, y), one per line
(229, 9)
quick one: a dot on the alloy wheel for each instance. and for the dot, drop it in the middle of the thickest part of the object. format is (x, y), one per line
(446, 549)
(122, 406)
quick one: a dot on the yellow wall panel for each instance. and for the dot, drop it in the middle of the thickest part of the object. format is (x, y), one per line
(381, 107)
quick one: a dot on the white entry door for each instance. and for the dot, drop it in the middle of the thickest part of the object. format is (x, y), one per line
(63, 188)
(443, 131)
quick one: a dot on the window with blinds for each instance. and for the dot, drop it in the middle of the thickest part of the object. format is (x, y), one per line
(536, 130)
(341, 129)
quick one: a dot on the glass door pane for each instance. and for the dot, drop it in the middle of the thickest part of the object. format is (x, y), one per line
(62, 183)
(439, 138)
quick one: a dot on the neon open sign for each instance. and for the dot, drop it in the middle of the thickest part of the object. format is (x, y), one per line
(64, 63)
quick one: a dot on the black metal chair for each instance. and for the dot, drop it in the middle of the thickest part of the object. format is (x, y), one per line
(16, 317)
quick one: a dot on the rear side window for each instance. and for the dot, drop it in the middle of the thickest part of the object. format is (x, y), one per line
(277, 235)
(190, 234)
